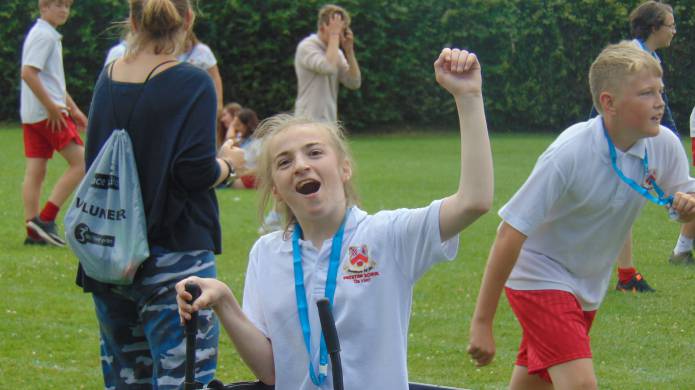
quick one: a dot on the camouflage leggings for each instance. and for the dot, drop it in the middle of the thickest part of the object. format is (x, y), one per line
(143, 344)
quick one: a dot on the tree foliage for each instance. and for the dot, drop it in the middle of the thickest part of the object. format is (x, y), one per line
(535, 54)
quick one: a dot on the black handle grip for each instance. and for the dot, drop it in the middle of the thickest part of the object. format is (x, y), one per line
(194, 290)
(191, 330)
(328, 325)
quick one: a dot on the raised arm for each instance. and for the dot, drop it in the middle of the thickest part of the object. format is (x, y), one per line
(458, 71)
(503, 255)
(352, 78)
(253, 347)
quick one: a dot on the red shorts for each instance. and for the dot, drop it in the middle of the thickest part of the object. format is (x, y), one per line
(692, 147)
(40, 141)
(555, 329)
(249, 181)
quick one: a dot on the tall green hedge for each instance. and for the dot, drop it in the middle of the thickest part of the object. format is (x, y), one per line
(535, 54)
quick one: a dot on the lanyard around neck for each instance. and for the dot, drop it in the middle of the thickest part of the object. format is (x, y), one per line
(659, 199)
(300, 293)
(647, 49)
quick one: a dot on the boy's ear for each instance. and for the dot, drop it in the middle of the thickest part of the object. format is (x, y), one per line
(607, 101)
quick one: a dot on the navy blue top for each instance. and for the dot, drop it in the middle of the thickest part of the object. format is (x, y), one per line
(173, 134)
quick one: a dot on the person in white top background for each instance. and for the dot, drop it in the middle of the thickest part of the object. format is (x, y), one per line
(321, 66)
(366, 265)
(563, 229)
(50, 121)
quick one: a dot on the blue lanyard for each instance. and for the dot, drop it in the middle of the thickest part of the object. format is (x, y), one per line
(659, 199)
(300, 292)
(645, 48)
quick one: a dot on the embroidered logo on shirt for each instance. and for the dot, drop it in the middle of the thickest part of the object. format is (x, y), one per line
(359, 268)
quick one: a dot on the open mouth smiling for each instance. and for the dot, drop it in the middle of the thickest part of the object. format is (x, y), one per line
(308, 187)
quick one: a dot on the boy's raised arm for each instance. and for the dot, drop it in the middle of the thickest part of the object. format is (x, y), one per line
(503, 255)
(458, 71)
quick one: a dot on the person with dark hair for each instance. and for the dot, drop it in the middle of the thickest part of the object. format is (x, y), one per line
(168, 109)
(245, 148)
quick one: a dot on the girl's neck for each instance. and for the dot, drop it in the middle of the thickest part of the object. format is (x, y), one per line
(320, 230)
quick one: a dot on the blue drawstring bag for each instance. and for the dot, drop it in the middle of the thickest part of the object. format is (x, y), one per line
(105, 225)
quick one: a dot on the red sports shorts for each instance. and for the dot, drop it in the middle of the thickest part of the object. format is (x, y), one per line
(555, 329)
(249, 181)
(40, 141)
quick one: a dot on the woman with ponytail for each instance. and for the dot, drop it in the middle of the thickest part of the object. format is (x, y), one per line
(168, 109)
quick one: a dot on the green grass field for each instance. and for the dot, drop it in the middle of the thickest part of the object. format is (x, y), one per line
(49, 336)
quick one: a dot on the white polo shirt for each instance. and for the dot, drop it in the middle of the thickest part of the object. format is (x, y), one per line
(382, 257)
(43, 50)
(576, 212)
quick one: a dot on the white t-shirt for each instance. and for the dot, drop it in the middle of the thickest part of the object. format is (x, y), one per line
(382, 257)
(692, 123)
(199, 56)
(43, 50)
(576, 211)
(115, 52)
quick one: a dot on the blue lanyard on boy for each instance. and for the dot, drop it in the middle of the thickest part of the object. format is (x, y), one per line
(659, 199)
(300, 292)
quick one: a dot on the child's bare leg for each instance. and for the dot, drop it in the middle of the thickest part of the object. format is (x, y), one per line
(31, 187)
(521, 380)
(74, 155)
(575, 374)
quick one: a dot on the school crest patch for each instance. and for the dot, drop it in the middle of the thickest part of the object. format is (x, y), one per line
(359, 267)
(649, 180)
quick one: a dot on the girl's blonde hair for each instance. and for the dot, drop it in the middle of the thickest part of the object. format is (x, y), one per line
(162, 22)
(614, 65)
(275, 125)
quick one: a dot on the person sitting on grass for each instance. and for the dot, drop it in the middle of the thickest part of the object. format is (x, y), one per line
(374, 260)
(224, 121)
(244, 148)
(562, 230)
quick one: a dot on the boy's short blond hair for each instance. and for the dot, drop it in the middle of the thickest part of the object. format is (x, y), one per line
(614, 65)
(327, 11)
(43, 3)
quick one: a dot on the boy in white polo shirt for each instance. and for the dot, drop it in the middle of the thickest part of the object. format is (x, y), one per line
(562, 230)
(367, 269)
(50, 120)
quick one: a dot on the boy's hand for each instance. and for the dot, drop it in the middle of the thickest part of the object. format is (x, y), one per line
(211, 292)
(684, 205)
(347, 41)
(481, 346)
(336, 24)
(80, 119)
(56, 121)
(458, 71)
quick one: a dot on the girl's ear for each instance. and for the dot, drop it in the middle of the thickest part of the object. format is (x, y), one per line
(346, 170)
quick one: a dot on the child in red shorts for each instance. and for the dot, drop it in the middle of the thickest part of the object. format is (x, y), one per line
(50, 120)
(563, 229)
